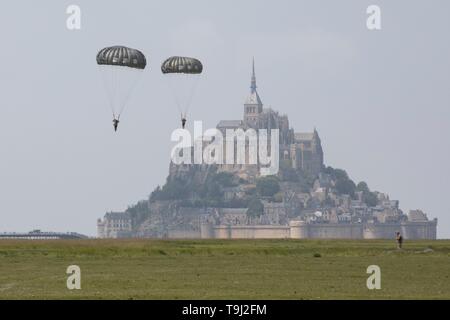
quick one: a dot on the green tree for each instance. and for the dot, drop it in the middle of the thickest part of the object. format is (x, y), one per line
(290, 174)
(370, 198)
(362, 186)
(267, 186)
(277, 197)
(213, 187)
(174, 189)
(306, 181)
(224, 179)
(345, 186)
(255, 208)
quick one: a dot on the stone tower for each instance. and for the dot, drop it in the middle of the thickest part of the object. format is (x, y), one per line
(306, 152)
(253, 105)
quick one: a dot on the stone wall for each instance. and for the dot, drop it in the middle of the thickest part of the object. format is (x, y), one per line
(183, 234)
(420, 230)
(251, 232)
(335, 231)
(302, 230)
(409, 230)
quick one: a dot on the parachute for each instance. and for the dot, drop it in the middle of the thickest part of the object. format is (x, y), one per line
(182, 74)
(121, 68)
(182, 65)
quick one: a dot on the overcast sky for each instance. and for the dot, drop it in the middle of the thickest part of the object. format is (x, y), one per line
(380, 100)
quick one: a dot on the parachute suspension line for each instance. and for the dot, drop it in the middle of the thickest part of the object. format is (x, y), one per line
(119, 90)
(106, 72)
(136, 77)
(115, 88)
(174, 93)
(183, 107)
(191, 94)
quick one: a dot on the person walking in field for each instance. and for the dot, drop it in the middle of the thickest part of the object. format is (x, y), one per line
(399, 239)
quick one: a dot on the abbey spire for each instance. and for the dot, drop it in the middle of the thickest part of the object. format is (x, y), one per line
(253, 105)
(253, 82)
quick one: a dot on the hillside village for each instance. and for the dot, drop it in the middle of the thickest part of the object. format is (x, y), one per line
(306, 199)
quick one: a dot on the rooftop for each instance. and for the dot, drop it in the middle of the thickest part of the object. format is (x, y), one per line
(302, 136)
(233, 210)
(118, 215)
(230, 124)
(253, 98)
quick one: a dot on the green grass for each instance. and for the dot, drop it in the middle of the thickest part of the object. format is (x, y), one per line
(224, 269)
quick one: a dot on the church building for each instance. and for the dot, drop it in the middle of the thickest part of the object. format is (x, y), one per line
(303, 151)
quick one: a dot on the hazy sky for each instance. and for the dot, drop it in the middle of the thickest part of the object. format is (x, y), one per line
(379, 99)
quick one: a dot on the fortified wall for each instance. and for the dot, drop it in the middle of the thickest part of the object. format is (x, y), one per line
(303, 230)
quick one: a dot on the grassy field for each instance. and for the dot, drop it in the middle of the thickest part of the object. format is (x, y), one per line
(224, 269)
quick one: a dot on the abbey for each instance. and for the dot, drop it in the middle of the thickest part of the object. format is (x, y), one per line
(299, 150)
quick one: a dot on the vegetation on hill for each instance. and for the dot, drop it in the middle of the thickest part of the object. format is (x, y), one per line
(267, 186)
(139, 212)
(192, 193)
(369, 197)
(189, 192)
(287, 173)
(255, 207)
(176, 188)
(345, 185)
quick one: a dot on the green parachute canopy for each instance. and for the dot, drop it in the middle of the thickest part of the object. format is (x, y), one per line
(182, 65)
(121, 56)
